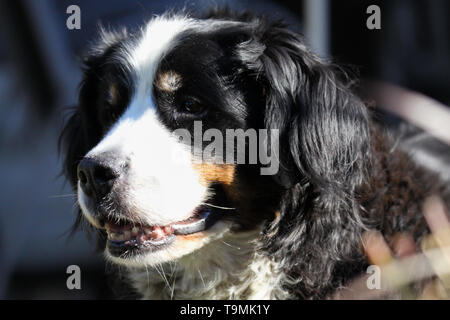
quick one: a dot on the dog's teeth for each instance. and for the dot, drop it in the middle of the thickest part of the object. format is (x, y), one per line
(135, 231)
(126, 235)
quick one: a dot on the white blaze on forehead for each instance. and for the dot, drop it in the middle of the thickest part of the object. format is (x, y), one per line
(157, 38)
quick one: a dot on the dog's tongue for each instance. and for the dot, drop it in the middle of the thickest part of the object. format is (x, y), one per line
(157, 232)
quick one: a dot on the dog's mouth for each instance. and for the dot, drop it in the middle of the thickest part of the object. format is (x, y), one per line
(128, 238)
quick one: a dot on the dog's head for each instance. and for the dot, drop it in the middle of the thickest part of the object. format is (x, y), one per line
(140, 180)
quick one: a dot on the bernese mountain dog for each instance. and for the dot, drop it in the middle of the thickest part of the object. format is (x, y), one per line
(185, 227)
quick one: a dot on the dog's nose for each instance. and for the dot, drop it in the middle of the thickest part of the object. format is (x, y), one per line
(96, 178)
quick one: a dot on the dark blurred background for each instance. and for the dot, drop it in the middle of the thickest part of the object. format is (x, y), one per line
(39, 74)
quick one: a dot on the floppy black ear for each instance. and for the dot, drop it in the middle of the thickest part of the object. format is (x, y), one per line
(324, 151)
(323, 124)
(82, 131)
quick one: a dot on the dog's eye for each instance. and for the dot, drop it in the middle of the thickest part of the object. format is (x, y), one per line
(192, 105)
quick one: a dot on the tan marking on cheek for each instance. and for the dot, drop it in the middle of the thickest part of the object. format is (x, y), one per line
(220, 173)
(192, 237)
(169, 81)
(190, 241)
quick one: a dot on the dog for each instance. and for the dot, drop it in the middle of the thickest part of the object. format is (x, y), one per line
(214, 230)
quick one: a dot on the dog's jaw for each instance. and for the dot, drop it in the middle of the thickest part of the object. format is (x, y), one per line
(180, 247)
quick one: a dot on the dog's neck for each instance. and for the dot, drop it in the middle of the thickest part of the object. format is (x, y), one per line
(227, 268)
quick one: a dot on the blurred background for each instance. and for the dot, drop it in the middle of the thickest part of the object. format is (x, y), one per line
(40, 71)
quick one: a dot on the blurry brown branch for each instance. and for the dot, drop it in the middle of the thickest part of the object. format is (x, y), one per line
(406, 271)
(403, 266)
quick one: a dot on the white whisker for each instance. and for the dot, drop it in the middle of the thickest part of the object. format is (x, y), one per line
(70, 195)
(218, 207)
(201, 277)
(231, 246)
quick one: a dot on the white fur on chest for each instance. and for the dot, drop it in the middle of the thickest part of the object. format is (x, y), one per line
(227, 268)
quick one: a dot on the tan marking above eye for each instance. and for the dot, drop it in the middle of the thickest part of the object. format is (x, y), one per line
(169, 81)
(210, 173)
(113, 94)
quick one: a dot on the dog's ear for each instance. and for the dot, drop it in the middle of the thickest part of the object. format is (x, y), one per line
(324, 151)
(81, 131)
(323, 126)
